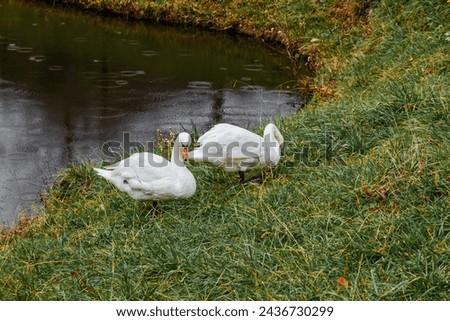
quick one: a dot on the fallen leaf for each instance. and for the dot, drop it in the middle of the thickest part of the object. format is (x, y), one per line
(344, 282)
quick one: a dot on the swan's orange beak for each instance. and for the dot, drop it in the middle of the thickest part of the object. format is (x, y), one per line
(184, 153)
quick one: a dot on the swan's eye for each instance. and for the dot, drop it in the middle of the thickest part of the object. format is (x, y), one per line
(184, 145)
(125, 181)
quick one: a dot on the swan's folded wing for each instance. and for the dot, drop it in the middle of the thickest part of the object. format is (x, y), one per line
(230, 142)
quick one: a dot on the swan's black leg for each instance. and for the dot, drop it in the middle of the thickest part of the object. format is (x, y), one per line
(251, 180)
(154, 208)
(242, 177)
(151, 208)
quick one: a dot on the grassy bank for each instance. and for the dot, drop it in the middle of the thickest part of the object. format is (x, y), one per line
(356, 210)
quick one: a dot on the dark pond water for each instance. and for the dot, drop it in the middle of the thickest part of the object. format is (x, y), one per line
(71, 82)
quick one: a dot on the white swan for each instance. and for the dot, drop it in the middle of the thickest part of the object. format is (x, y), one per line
(147, 176)
(237, 149)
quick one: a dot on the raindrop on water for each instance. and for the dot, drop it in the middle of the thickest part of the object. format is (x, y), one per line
(55, 68)
(149, 53)
(108, 84)
(200, 85)
(24, 49)
(128, 73)
(12, 47)
(37, 58)
(253, 67)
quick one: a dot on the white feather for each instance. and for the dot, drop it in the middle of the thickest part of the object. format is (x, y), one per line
(237, 149)
(147, 176)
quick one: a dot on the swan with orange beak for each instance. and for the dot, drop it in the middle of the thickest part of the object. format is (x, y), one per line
(147, 176)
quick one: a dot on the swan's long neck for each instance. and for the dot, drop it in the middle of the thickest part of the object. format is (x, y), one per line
(274, 134)
(272, 141)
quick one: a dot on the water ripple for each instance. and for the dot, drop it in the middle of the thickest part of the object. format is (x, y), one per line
(200, 85)
(110, 83)
(37, 58)
(131, 73)
(12, 47)
(111, 75)
(55, 68)
(253, 67)
(122, 82)
(149, 53)
(25, 49)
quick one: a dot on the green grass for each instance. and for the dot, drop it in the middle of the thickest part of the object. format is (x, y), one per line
(361, 193)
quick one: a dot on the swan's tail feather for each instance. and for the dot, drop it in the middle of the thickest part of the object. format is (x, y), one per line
(103, 173)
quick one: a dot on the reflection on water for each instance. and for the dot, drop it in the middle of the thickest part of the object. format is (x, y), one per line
(70, 82)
